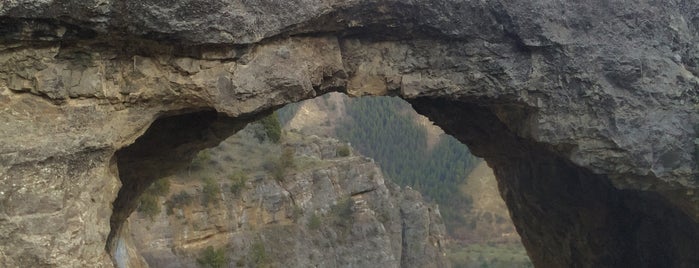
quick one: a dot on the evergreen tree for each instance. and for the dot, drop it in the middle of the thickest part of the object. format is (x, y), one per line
(383, 129)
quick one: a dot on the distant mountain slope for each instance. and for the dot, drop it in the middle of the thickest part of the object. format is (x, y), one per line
(414, 152)
(487, 238)
(410, 150)
(489, 218)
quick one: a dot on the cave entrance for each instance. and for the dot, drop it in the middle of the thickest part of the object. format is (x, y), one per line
(169, 143)
(566, 215)
(434, 163)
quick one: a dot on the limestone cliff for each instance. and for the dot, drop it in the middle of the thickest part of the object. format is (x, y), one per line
(328, 210)
(586, 110)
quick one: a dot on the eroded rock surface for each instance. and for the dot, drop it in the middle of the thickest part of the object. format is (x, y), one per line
(327, 210)
(589, 96)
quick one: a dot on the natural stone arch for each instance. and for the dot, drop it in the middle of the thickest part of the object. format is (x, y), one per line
(566, 215)
(608, 93)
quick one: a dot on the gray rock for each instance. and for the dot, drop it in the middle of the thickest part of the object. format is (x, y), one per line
(583, 109)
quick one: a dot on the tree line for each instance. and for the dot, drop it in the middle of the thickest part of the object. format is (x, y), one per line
(384, 129)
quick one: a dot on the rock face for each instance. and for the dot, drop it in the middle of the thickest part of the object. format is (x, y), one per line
(586, 110)
(327, 211)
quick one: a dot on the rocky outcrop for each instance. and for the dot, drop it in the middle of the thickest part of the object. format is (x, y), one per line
(327, 211)
(586, 110)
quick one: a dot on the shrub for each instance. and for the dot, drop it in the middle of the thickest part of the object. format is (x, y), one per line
(314, 222)
(343, 209)
(210, 192)
(272, 127)
(212, 258)
(160, 187)
(296, 213)
(178, 200)
(340, 215)
(279, 167)
(343, 150)
(238, 180)
(149, 205)
(237, 176)
(258, 254)
(201, 158)
(274, 168)
(384, 216)
(286, 160)
(278, 173)
(236, 187)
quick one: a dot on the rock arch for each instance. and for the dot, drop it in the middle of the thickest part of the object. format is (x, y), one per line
(587, 112)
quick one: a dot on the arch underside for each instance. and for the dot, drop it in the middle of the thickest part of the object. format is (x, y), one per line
(566, 215)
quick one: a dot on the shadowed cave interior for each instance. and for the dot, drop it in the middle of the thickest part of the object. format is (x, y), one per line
(566, 215)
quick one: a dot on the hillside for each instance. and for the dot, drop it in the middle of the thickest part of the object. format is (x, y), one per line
(404, 145)
(303, 202)
(416, 153)
(487, 237)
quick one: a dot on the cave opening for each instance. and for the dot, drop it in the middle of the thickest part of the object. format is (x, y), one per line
(171, 141)
(567, 216)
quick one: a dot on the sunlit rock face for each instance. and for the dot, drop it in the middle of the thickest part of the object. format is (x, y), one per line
(327, 210)
(587, 111)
